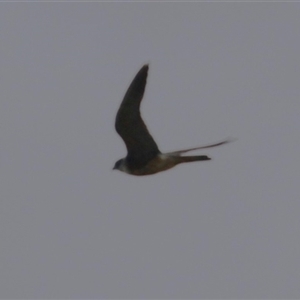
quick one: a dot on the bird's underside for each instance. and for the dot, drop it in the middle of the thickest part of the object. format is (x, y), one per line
(143, 156)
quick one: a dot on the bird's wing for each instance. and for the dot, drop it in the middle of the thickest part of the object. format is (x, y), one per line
(229, 140)
(140, 144)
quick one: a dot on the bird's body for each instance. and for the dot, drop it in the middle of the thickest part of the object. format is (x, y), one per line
(159, 163)
(143, 156)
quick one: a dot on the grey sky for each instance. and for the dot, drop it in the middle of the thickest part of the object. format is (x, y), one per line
(70, 227)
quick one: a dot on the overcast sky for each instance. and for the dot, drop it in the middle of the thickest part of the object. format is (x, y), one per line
(70, 227)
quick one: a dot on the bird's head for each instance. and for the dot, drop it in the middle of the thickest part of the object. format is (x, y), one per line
(120, 165)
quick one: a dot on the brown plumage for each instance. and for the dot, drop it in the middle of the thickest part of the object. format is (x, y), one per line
(143, 156)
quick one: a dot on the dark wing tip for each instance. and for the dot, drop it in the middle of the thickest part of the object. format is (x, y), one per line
(144, 69)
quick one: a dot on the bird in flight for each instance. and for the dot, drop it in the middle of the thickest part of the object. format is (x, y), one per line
(143, 156)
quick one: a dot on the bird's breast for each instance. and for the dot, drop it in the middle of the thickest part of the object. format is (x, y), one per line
(159, 163)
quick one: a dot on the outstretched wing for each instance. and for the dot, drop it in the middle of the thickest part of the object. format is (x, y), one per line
(140, 144)
(229, 140)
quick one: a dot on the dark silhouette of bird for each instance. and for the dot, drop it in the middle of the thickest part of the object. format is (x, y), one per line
(143, 156)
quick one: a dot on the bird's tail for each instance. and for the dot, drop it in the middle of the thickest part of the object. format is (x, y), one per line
(184, 159)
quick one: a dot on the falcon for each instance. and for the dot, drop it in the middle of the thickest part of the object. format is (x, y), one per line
(143, 156)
